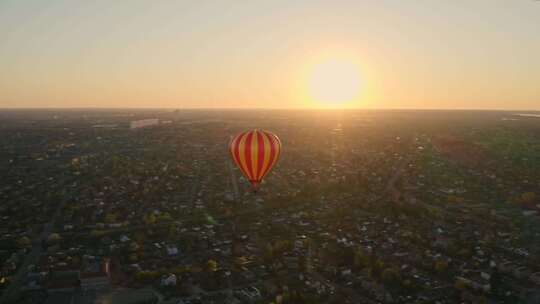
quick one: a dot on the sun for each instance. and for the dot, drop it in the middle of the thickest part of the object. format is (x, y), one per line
(334, 82)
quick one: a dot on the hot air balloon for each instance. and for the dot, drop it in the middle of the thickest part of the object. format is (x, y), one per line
(255, 152)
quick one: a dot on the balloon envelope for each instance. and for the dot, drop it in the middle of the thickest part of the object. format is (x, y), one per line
(255, 152)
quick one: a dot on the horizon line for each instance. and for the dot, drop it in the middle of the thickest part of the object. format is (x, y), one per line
(266, 109)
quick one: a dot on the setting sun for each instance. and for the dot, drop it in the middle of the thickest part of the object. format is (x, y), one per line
(334, 82)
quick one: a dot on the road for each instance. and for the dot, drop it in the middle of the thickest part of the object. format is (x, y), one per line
(227, 290)
(234, 181)
(13, 289)
(195, 186)
(390, 185)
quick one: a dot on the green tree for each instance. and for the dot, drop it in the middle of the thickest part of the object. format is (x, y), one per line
(377, 268)
(54, 238)
(165, 217)
(460, 285)
(110, 218)
(24, 242)
(361, 260)
(147, 277)
(149, 219)
(441, 266)
(527, 198)
(390, 276)
(133, 246)
(212, 265)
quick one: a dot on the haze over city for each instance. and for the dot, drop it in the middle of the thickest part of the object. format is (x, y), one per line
(270, 152)
(480, 54)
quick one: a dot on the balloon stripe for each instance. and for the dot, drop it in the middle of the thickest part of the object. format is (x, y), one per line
(247, 155)
(233, 148)
(255, 156)
(237, 149)
(267, 155)
(277, 149)
(242, 154)
(272, 153)
(262, 155)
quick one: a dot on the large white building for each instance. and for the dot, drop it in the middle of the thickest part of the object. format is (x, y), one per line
(135, 124)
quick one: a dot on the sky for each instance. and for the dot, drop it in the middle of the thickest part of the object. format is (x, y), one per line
(270, 54)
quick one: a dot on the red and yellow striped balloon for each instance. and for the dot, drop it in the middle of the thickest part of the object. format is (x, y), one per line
(255, 152)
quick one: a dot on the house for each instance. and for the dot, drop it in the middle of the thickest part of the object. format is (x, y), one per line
(32, 281)
(96, 274)
(168, 280)
(521, 272)
(249, 294)
(68, 227)
(172, 250)
(346, 272)
(529, 212)
(535, 277)
(507, 267)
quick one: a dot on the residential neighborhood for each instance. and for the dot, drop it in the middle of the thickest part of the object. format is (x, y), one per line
(362, 207)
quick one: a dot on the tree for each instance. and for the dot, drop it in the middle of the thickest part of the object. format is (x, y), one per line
(280, 246)
(172, 231)
(441, 266)
(165, 217)
(377, 268)
(390, 276)
(97, 233)
(149, 219)
(133, 246)
(54, 238)
(482, 300)
(495, 281)
(212, 265)
(24, 242)
(139, 237)
(110, 218)
(460, 285)
(361, 260)
(76, 261)
(527, 198)
(410, 286)
(146, 277)
(465, 253)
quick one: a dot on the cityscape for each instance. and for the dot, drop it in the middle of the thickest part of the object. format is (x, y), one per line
(270, 152)
(367, 206)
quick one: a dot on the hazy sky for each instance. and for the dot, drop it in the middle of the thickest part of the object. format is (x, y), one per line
(411, 54)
